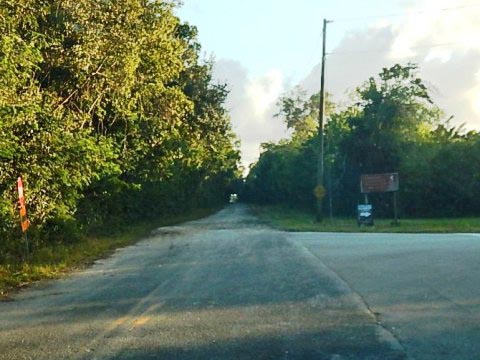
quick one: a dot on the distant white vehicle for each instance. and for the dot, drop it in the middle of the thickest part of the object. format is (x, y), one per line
(233, 198)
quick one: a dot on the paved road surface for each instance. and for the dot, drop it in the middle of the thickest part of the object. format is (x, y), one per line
(227, 287)
(425, 288)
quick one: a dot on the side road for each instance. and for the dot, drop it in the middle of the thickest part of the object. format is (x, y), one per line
(423, 288)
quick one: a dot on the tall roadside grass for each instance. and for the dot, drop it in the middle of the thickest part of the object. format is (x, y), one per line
(290, 219)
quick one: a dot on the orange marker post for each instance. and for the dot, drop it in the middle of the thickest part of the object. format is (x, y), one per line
(24, 222)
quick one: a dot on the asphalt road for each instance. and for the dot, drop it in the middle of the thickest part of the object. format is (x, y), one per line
(227, 287)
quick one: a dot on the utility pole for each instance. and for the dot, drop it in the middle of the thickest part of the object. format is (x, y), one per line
(320, 189)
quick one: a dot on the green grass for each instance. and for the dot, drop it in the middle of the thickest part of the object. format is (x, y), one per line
(53, 261)
(296, 220)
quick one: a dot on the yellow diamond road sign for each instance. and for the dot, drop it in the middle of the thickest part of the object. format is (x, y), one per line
(319, 192)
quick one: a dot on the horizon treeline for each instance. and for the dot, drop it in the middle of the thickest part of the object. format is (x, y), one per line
(391, 126)
(109, 115)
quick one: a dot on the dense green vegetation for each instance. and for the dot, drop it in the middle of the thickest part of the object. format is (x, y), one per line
(392, 126)
(109, 115)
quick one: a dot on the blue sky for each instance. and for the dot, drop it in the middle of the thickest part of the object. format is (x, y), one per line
(281, 34)
(264, 48)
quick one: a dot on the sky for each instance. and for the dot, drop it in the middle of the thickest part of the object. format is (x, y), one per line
(264, 49)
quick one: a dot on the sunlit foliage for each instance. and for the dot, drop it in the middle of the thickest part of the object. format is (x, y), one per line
(108, 114)
(392, 126)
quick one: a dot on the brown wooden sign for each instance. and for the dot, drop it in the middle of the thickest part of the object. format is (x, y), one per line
(379, 183)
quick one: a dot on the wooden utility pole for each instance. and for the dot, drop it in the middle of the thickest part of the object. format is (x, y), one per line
(320, 189)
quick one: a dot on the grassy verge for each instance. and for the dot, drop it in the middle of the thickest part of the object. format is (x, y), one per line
(296, 220)
(50, 262)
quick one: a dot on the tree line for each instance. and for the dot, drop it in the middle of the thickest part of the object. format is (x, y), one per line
(392, 125)
(109, 115)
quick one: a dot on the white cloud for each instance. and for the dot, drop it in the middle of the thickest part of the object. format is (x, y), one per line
(474, 95)
(453, 71)
(456, 25)
(252, 106)
(263, 92)
(449, 69)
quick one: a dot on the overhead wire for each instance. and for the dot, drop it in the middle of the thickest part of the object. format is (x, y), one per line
(387, 50)
(453, 8)
(391, 50)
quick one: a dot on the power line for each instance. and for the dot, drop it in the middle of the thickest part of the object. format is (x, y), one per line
(391, 50)
(454, 8)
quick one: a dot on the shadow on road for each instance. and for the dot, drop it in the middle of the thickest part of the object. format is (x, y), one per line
(326, 346)
(225, 287)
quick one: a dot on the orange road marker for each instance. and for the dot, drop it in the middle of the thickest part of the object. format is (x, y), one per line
(24, 222)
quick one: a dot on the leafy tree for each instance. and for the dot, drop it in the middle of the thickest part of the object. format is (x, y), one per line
(301, 115)
(392, 125)
(106, 110)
